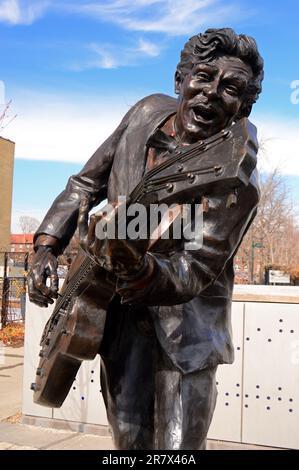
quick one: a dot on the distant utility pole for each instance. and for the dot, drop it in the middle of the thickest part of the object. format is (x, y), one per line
(3, 298)
(253, 246)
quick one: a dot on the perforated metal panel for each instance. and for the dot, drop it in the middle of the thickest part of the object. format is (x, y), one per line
(226, 423)
(271, 375)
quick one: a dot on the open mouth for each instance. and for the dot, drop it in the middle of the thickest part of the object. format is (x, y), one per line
(204, 113)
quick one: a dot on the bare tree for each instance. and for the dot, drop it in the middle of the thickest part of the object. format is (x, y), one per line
(28, 224)
(5, 117)
(273, 238)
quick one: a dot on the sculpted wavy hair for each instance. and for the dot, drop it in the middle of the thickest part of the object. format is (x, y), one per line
(214, 43)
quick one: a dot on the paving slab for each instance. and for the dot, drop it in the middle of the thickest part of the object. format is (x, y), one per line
(5, 445)
(84, 442)
(33, 437)
(26, 437)
(221, 445)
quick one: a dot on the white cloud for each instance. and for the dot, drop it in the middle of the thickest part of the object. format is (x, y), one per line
(110, 56)
(148, 48)
(22, 11)
(279, 139)
(70, 128)
(63, 128)
(173, 17)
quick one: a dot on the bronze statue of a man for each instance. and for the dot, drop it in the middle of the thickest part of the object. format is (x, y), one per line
(168, 325)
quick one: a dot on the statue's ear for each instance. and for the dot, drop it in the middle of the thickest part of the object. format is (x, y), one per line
(244, 111)
(177, 82)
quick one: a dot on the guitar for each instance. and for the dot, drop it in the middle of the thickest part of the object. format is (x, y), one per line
(218, 165)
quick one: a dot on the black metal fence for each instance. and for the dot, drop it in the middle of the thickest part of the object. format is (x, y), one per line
(14, 267)
(13, 272)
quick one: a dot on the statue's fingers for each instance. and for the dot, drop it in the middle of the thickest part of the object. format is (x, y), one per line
(40, 276)
(35, 296)
(40, 300)
(91, 229)
(54, 282)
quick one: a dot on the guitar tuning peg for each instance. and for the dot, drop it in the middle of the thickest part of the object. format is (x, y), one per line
(218, 170)
(191, 177)
(34, 387)
(40, 372)
(65, 332)
(232, 200)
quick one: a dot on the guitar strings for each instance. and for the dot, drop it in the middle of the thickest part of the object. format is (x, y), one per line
(71, 287)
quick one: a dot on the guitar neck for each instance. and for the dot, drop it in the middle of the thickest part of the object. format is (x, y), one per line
(181, 154)
(72, 284)
(220, 163)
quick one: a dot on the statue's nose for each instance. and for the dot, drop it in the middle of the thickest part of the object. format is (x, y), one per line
(211, 90)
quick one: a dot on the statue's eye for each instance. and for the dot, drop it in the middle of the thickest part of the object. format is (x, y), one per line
(203, 76)
(232, 90)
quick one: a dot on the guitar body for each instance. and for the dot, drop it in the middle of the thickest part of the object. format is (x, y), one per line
(75, 329)
(72, 335)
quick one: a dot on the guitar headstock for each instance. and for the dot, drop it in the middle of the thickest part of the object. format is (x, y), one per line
(218, 165)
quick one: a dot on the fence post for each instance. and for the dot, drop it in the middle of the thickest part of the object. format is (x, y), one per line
(4, 294)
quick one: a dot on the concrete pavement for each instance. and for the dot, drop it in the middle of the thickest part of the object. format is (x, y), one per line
(25, 437)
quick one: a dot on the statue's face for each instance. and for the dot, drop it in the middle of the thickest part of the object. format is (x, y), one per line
(210, 97)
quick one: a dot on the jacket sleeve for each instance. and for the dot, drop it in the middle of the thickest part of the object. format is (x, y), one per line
(60, 221)
(185, 274)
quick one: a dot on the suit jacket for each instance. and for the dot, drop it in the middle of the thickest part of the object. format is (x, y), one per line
(189, 297)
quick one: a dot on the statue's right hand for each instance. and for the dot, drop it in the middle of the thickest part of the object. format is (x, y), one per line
(44, 266)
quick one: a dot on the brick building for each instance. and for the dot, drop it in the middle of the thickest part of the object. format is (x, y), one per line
(21, 242)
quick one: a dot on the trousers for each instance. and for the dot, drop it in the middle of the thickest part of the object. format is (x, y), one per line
(150, 403)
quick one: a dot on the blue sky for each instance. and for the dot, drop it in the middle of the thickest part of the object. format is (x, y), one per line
(73, 68)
